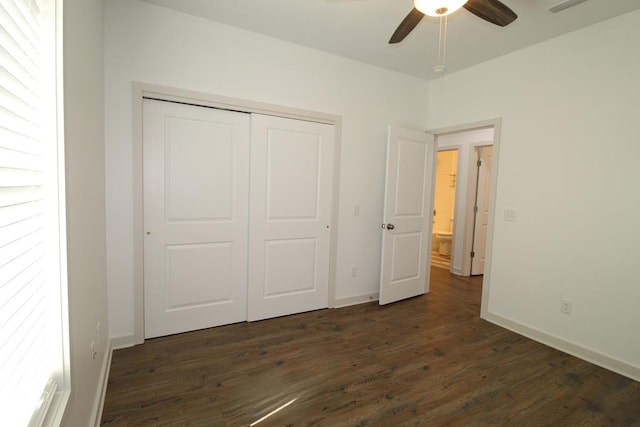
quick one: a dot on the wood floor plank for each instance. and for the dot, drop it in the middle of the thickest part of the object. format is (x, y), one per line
(426, 361)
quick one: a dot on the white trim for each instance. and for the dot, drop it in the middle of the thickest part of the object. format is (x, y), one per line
(138, 219)
(57, 408)
(355, 300)
(481, 124)
(165, 93)
(123, 341)
(565, 346)
(145, 90)
(493, 193)
(98, 404)
(48, 397)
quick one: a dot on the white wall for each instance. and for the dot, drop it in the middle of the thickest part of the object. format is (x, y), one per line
(155, 45)
(569, 148)
(85, 195)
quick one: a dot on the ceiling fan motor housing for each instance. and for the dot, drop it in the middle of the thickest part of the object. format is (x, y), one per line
(438, 7)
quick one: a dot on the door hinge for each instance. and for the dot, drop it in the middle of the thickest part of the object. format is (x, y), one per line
(473, 254)
(475, 209)
(479, 163)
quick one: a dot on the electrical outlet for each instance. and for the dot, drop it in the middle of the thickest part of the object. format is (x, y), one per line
(354, 271)
(566, 306)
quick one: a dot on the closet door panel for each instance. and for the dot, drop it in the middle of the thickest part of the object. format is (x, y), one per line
(196, 189)
(291, 182)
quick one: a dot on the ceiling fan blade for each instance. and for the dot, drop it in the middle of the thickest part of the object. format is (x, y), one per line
(406, 26)
(493, 11)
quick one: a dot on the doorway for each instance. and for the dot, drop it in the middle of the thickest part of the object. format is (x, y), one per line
(444, 207)
(466, 143)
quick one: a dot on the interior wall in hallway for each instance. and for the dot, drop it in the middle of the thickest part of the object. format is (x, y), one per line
(445, 191)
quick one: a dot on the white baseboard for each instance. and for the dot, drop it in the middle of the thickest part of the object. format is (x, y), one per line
(458, 271)
(358, 299)
(123, 341)
(98, 403)
(568, 347)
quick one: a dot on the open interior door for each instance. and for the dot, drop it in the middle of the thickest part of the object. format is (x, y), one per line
(408, 207)
(481, 219)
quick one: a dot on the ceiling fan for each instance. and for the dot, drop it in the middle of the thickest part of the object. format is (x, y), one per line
(493, 11)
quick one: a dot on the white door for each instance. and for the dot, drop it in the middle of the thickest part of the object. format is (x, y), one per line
(291, 187)
(481, 220)
(408, 207)
(196, 188)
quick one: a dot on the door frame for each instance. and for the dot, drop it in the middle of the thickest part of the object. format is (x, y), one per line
(143, 90)
(497, 130)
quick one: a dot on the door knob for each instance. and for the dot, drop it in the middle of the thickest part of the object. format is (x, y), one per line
(390, 226)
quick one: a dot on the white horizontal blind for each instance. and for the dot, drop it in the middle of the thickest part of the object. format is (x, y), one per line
(30, 327)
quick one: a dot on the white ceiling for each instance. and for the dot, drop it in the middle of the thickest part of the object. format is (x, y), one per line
(360, 29)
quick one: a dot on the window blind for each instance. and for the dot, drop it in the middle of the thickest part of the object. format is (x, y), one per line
(30, 298)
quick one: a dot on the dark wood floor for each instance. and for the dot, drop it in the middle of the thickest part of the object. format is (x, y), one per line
(427, 361)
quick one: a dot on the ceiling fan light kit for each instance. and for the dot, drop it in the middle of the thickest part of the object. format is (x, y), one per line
(438, 7)
(493, 11)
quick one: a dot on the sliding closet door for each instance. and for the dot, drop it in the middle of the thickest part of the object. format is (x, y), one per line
(196, 189)
(291, 187)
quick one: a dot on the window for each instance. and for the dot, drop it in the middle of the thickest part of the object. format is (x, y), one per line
(34, 380)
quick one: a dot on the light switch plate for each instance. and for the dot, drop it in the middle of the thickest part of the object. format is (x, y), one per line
(510, 215)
